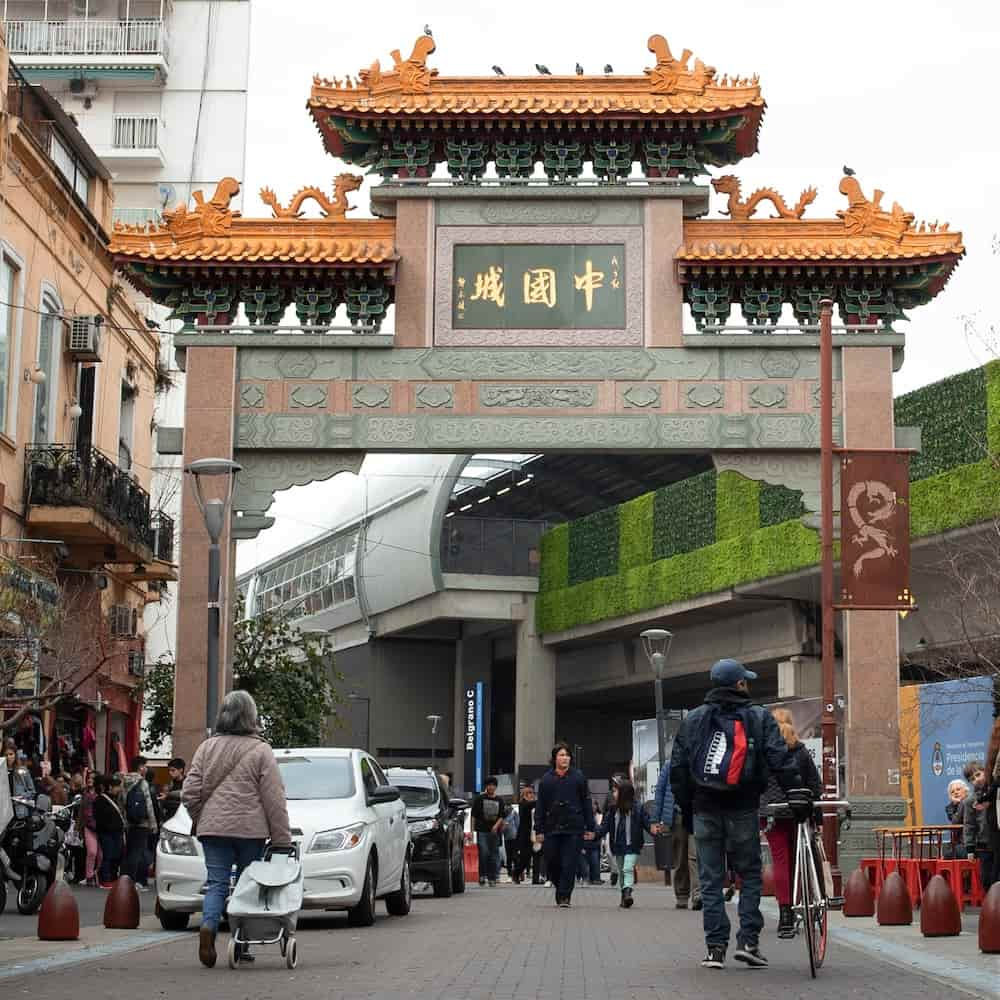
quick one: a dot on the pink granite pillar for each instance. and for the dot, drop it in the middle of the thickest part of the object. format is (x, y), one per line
(872, 637)
(209, 415)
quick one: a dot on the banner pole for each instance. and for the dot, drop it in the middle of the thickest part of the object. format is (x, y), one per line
(829, 725)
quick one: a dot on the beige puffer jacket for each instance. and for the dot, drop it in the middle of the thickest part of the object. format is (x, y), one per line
(233, 789)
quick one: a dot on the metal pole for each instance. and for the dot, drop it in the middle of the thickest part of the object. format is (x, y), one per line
(830, 833)
(661, 734)
(214, 631)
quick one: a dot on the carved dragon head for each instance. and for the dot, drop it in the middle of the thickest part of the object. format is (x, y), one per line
(727, 184)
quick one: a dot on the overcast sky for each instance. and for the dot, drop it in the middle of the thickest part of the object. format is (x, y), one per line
(901, 91)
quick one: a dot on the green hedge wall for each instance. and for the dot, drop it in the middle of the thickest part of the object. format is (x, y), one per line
(711, 532)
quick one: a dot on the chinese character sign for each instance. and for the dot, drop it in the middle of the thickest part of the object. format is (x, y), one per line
(539, 286)
(875, 529)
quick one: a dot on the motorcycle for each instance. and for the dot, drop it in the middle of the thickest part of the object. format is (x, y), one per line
(32, 843)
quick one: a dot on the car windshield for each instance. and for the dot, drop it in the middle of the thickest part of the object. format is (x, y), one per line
(317, 777)
(417, 796)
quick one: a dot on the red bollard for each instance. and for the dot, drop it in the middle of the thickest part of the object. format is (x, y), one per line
(989, 922)
(859, 900)
(894, 906)
(471, 853)
(59, 917)
(121, 911)
(767, 886)
(939, 912)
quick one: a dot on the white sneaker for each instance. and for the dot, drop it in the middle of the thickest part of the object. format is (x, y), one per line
(142, 888)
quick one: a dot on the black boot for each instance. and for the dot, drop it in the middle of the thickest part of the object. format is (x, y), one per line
(627, 899)
(786, 922)
(614, 878)
(621, 902)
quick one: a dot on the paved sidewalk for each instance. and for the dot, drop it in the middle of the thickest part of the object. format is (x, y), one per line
(512, 943)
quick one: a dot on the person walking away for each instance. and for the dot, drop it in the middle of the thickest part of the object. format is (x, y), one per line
(488, 813)
(235, 797)
(718, 771)
(510, 829)
(562, 816)
(87, 821)
(140, 818)
(525, 845)
(684, 852)
(975, 832)
(170, 799)
(781, 833)
(109, 823)
(623, 825)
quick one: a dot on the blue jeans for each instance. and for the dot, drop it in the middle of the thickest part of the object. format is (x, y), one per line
(221, 853)
(589, 866)
(736, 835)
(489, 855)
(561, 853)
(111, 855)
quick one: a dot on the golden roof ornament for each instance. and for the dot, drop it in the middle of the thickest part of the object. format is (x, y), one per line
(739, 210)
(671, 75)
(211, 218)
(335, 208)
(867, 218)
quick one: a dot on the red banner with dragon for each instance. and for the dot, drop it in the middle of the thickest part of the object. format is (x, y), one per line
(875, 530)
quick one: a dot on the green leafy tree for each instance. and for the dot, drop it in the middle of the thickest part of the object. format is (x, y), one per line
(158, 701)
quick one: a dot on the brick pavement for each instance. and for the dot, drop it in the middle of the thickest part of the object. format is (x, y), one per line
(508, 943)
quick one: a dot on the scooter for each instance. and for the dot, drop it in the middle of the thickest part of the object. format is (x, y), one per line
(32, 842)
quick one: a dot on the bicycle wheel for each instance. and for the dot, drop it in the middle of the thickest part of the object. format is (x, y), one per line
(821, 910)
(806, 883)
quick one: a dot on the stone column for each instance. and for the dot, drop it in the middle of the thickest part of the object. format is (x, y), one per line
(871, 637)
(209, 410)
(535, 695)
(414, 294)
(663, 233)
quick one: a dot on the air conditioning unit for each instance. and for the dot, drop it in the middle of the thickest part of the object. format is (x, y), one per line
(136, 664)
(84, 338)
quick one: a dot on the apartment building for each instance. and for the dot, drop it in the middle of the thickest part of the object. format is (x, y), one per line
(159, 90)
(78, 369)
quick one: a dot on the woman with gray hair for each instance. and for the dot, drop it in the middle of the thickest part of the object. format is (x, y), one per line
(236, 800)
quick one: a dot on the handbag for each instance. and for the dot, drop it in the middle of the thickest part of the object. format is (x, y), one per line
(208, 798)
(824, 870)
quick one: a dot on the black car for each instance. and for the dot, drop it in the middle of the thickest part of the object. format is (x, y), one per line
(436, 829)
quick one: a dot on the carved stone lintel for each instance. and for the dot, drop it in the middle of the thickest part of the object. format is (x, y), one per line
(543, 396)
(796, 472)
(265, 474)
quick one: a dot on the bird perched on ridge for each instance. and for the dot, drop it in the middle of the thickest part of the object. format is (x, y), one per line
(544, 70)
(579, 70)
(498, 70)
(427, 31)
(848, 172)
(608, 69)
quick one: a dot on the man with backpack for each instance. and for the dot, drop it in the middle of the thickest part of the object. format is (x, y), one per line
(141, 825)
(722, 757)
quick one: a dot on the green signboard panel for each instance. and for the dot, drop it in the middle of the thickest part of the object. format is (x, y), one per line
(531, 286)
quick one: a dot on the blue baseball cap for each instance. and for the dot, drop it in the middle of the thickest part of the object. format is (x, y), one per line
(726, 673)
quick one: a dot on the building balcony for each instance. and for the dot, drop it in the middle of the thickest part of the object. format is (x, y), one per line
(135, 141)
(137, 216)
(482, 546)
(81, 497)
(89, 48)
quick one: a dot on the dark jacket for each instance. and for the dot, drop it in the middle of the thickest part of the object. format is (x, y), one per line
(626, 834)
(526, 813)
(808, 777)
(107, 815)
(692, 798)
(564, 804)
(663, 811)
(975, 832)
(486, 810)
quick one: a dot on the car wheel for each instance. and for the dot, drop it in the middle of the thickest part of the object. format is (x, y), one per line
(398, 902)
(444, 886)
(3, 896)
(363, 915)
(171, 920)
(31, 893)
(458, 875)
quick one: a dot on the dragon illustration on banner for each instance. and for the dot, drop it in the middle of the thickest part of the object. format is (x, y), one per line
(880, 504)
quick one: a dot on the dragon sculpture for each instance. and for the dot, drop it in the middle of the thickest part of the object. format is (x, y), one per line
(882, 507)
(207, 218)
(740, 210)
(337, 208)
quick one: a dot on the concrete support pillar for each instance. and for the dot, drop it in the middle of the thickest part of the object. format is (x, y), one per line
(535, 695)
(209, 409)
(802, 677)
(414, 294)
(872, 637)
(663, 235)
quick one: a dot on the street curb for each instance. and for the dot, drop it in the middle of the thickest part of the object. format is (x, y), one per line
(135, 942)
(946, 971)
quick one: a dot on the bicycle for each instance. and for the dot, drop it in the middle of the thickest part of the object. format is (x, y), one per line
(810, 901)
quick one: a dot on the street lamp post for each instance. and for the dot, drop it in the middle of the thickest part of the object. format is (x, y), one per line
(656, 642)
(214, 512)
(434, 720)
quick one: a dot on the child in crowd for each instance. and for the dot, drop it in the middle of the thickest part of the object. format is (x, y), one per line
(623, 824)
(976, 832)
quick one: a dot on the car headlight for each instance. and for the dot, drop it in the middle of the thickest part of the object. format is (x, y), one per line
(423, 826)
(177, 843)
(337, 840)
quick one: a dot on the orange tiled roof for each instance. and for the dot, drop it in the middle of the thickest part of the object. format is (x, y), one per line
(211, 232)
(863, 232)
(669, 87)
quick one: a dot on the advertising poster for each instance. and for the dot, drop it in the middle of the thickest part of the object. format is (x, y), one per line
(645, 768)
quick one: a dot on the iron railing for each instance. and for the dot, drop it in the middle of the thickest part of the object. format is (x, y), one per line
(60, 475)
(86, 37)
(136, 132)
(491, 546)
(163, 536)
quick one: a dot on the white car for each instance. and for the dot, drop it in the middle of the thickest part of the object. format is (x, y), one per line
(350, 826)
